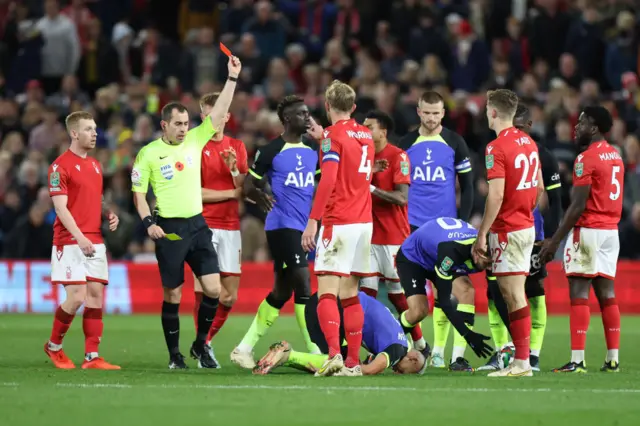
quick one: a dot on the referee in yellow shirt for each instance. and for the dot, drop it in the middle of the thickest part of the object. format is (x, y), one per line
(171, 165)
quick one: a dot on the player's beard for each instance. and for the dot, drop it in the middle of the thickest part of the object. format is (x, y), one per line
(583, 143)
(430, 127)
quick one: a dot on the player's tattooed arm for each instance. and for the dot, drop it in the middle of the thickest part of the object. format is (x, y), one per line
(399, 195)
(109, 215)
(467, 189)
(256, 191)
(579, 197)
(377, 366)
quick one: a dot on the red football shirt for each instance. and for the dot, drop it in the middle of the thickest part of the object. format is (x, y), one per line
(513, 156)
(80, 179)
(351, 146)
(601, 167)
(216, 175)
(390, 221)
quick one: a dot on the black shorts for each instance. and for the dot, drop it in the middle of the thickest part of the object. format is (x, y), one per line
(314, 329)
(413, 277)
(537, 271)
(195, 248)
(286, 250)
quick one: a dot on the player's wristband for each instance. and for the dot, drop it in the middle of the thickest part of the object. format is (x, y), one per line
(234, 79)
(235, 173)
(148, 222)
(372, 188)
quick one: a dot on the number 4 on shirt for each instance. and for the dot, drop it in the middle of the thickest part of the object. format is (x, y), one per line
(365, 164)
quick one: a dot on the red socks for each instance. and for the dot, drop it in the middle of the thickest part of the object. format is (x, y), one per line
(353, 323)
(399, 301)
(196, 307)
(521, 332)
(610, 322)
(329, 318)
(92, 326)
(369, 292)
(218, 321)
(61, 323)
(579, 323)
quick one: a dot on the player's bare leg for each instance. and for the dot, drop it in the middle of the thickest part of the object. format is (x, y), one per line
(369, 286)
(604, 289)
(329, 318)
(206, 313)
(93, 326)
(396, 296)
(579, 289)
(417, 310)
(512, 288)
(228, 297)
(463, 291)
(75, 297)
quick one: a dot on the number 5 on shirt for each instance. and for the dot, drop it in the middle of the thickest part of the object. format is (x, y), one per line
(616, 183)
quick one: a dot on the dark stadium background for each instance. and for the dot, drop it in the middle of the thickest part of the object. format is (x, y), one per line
(124, 59)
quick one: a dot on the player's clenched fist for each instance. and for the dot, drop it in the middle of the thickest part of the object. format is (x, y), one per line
(155, 232)
(113, 221)
(234, 66)
(309, 236)
(86, 246)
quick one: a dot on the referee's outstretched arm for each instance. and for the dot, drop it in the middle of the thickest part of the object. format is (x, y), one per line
(221, 107)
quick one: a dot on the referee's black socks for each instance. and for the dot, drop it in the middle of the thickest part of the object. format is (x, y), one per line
(171, 326)
(206, 314)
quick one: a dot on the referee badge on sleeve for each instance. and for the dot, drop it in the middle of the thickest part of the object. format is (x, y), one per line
(135, 177)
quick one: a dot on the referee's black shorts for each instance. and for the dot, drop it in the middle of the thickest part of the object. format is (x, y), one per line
(195, 248)
(285, 245)
(313, 325)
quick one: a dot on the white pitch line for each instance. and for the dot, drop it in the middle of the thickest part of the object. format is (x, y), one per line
(328, 388)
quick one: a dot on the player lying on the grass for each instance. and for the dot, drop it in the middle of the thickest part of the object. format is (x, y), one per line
(592, 245)
(382, 337)
(440, 251)
(289, 164)
(389, 190)
(534, 284)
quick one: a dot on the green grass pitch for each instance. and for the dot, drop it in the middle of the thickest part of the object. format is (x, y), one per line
(145, 392)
